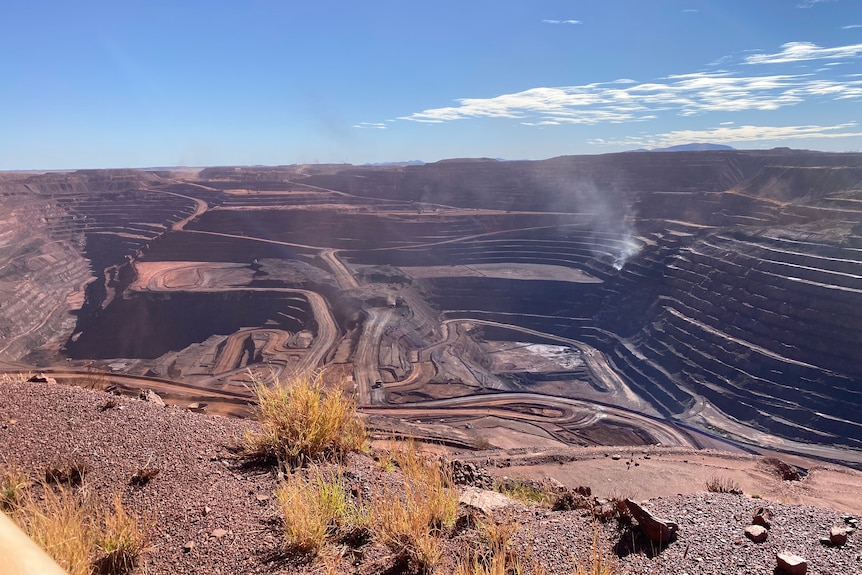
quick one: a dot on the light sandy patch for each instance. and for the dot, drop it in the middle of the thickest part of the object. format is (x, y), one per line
(190, 275)
(665, 474)
(521, 356)
(504, 271)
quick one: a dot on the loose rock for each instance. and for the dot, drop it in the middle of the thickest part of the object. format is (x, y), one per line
(791, 564)
(151, 396)
(657, 530)
(484, 500)
(762, 517)
(756, 533)
(838, 536)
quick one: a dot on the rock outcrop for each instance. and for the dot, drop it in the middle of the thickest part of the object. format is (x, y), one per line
(657, 530)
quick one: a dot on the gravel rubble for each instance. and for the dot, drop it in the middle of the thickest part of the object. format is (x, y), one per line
(211, 515)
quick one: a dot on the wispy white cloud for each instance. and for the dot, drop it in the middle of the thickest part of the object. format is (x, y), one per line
(737, 134)
(691, 10)
(811, 3)
(562, 22)
(726, 123)
(851, 26)
(802, 51)
(720, 61)
(371, 125)
(683, 94)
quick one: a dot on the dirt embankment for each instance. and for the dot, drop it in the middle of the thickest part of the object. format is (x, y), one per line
(212, 515)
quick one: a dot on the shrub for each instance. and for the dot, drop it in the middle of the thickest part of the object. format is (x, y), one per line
(301, 423)
(723, 485)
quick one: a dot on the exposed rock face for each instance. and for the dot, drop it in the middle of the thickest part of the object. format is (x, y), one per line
(758, 312)
(61, 236)
(657, 530)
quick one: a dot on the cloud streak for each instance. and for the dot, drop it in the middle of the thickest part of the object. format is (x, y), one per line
(738, 134)
(804, 51)
(370, 125)
(561, 22)
(626, 101)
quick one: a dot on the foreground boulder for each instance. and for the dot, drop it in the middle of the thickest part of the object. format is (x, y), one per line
(656, 530)
(791, 564)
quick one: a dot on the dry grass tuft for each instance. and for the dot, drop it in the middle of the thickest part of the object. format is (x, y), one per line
(412, 521)
(301, 423)
(314, 506)
(61, 524)
(143, 475)
(599, 562)
(723, 485)
(13, 484)
(497, 556)
(82, 538)
(15, 377)
(529, 492)
(68, 473)
(120, 540)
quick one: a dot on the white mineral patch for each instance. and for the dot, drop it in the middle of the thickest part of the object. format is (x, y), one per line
(565, 357)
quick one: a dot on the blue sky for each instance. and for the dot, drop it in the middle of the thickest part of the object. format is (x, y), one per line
(140, 83)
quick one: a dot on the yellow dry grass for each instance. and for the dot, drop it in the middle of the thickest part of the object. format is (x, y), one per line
(412, 520)
(120, 539)
(13, 483)
(314, 506)
(497, 556)
(599, 562)
(81, 537)
(302, 423)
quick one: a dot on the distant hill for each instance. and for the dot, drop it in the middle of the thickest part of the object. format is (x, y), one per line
(696, 147)
(407, 163)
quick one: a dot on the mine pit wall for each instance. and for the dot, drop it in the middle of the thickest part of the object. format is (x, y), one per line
(145, 325)
(761, 317)
(767, 329)
(89, 224)
(42, 272)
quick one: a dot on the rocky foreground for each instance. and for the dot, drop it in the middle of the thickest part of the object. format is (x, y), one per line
(211, 514)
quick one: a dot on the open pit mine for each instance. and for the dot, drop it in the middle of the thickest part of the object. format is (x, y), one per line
(702, 299)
